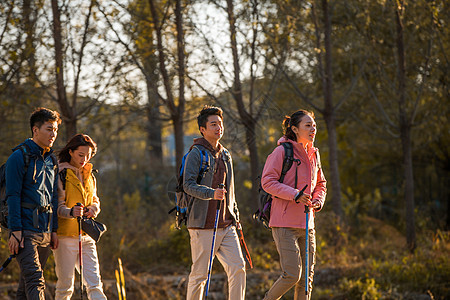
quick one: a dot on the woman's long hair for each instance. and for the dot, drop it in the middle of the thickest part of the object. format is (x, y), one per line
(294, 120)
(73, 144)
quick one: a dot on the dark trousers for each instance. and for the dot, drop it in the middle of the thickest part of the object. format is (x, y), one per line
(32, 258)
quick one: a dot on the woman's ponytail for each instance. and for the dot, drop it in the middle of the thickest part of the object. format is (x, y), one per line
(294, 120)
(287, 129)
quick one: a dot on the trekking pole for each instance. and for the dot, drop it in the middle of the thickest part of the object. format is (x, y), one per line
(80, 253)
(306, 251)
(7, 261)
(211, 257)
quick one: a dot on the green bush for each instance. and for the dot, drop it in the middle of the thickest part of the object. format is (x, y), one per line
(421, 272)
(359, 289)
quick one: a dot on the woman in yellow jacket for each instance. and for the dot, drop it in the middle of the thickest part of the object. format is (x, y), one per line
(77, 185)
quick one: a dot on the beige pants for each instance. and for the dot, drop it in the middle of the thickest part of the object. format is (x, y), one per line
(67, 259)
(227, 250)
(291, 245)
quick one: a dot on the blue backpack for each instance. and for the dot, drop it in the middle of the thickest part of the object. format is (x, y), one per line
(182, 199)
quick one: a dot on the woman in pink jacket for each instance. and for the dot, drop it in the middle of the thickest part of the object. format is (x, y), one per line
(288, 218)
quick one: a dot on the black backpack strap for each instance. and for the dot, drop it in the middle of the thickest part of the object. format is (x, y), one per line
(62, 176)
(55, 161)
(319, 163)
(27, 156)
(288, 159)
(93, 172)
(26, 151)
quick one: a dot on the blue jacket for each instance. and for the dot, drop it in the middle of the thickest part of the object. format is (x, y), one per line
(36, 187)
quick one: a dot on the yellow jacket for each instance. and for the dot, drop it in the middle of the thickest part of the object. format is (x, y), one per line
(80, 187)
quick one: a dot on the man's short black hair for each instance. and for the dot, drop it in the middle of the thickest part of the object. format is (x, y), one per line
(42, 115)
(207, 111)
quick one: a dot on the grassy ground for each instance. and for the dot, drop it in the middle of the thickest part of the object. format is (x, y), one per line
(367, 260)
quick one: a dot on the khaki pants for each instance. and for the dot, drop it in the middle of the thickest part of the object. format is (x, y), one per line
(67, 259)
(227, 250)
(291, 245)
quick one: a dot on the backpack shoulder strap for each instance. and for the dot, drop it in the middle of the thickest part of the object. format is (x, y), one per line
(62, 176)
(226, 155)
(55, 161)
(26, 151)
(93, 172)
(204, 160)
(27, 156)
(288, 159)
(183, 160)
(319, 163)
(204, 165)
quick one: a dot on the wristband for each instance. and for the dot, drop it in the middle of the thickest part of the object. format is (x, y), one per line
(299, 194)
(297, 197)
(15, 237)
(71, 212)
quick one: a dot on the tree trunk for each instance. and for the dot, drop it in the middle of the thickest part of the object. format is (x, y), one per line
(409, 188)
(66, 110)
(179, 111)
(29, 52)
(405, 130)
(247, 119)
(330, 113)
(71, 128)
(334, 166)
(154, 139)
(254, 160)
(176, 111)
(179, 139)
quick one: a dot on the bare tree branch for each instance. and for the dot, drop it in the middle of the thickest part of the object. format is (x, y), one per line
(81, 54)
(378, 103)
(349, 91)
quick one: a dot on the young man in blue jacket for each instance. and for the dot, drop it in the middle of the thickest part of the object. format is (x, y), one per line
(33, 201)
(206, 193)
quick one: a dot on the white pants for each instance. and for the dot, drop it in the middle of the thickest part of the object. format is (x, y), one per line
(228, 251)
(67, 259)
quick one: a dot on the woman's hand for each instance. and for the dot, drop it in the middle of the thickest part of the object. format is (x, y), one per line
(77, 211)
(304, 199)
(316, 204)
(89, 213)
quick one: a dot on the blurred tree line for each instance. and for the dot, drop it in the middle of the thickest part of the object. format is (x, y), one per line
(133, 75)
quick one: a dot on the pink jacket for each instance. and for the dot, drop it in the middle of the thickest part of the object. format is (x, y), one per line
(285, 212)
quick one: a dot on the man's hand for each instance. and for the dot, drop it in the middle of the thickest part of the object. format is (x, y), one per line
(219, 194)
(54, 242)
(15, 242)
